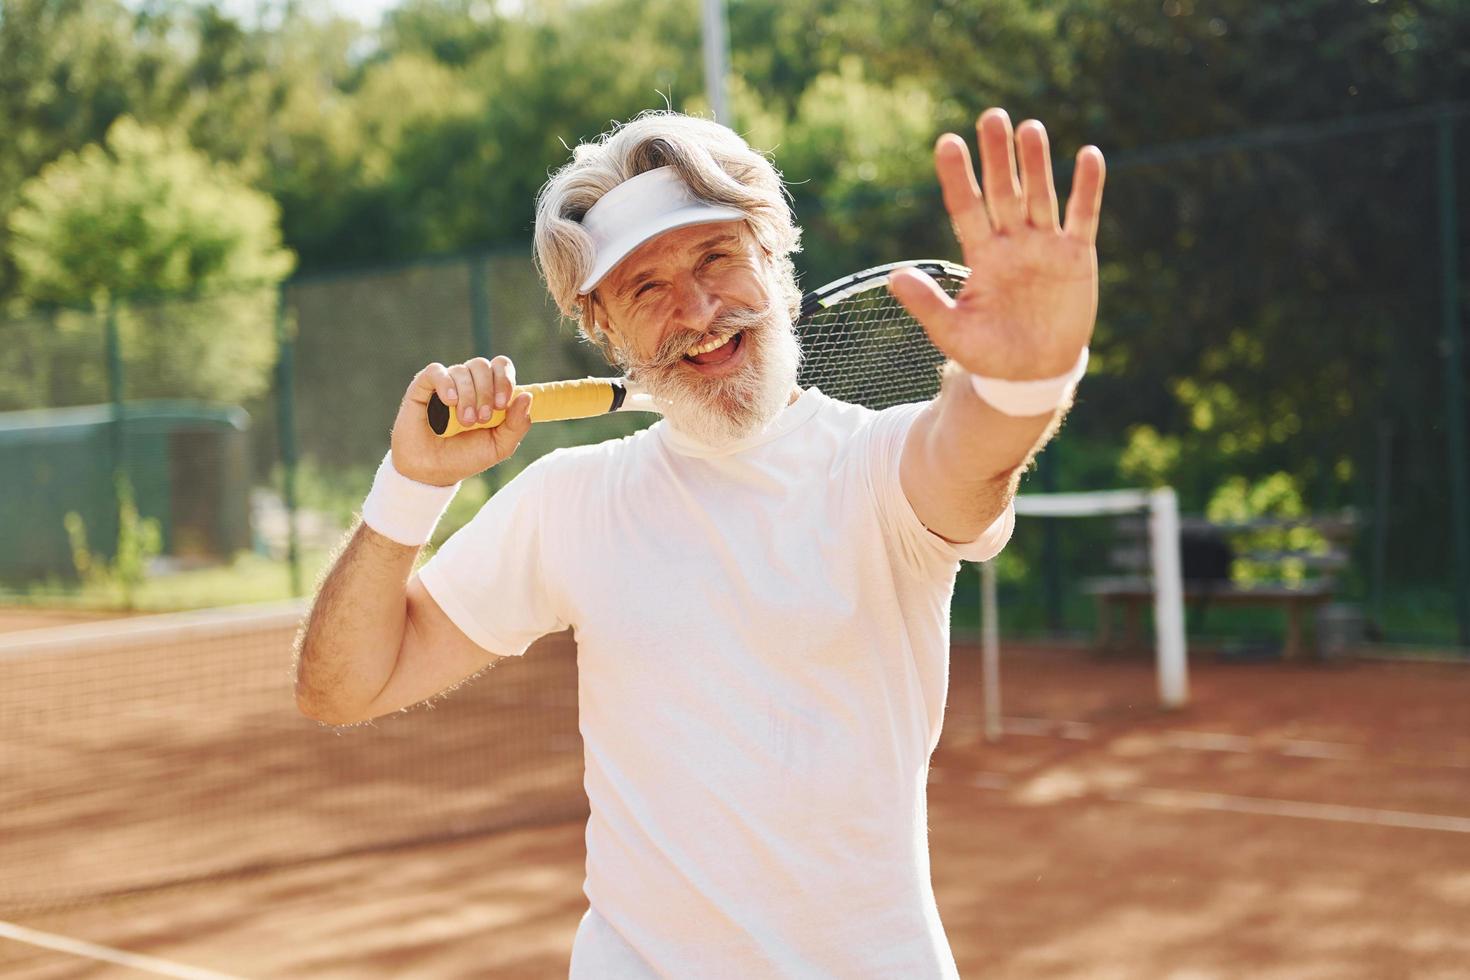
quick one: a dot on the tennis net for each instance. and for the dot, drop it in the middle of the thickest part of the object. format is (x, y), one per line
(162, 750)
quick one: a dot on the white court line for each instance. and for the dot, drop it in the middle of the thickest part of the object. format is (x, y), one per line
(1211, 741)
(1079, 731)
(1190, 800)
(1176, 799)
(106, 954)
(1027, 726)
(1297, 748)
(1308, 749)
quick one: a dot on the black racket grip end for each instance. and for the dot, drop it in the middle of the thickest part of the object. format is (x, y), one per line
(438, 414)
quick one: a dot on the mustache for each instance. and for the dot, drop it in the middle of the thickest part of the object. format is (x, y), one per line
(727, 324)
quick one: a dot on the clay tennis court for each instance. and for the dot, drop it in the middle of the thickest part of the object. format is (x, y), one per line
(1294, 821)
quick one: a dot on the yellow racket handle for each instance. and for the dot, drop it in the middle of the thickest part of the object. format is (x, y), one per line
(551, 401)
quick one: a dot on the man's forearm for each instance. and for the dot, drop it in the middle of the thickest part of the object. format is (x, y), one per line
(963, 459)
(350, 644)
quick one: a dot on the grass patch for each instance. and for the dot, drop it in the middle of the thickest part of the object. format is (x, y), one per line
(248, 578)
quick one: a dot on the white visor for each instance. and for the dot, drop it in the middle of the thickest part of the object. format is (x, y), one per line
(638, 209)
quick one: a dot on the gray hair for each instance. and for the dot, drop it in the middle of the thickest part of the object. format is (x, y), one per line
(713, 160)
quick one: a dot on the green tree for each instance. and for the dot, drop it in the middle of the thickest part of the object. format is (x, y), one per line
(68, 68)
(865, 194)
(451, 32)
(1268, 308)
(466, 167)
(146, 216)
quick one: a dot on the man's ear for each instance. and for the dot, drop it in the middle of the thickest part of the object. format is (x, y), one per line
(602, 322)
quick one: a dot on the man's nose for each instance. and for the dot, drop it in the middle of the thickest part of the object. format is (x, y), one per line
(696, 306)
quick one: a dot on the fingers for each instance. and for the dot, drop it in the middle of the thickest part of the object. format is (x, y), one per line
(484, 386)
(1017, 196)
(470, 391)
(485, 380)
(463, 382)
(924, 299)
(506, 437)
(505, 380)
(474, 390)
(1002, 189)
(432, 380)
(1084, 206)
(518, 417)
(961, 192)
(1037, 188)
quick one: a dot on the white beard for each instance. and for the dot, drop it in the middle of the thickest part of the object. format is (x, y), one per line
(720, 411)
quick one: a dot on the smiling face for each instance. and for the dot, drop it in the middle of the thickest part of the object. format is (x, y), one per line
(693, 316)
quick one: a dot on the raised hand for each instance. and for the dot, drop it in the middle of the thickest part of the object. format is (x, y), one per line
(1030, 304)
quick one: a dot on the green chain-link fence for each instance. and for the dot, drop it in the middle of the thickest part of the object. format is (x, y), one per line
(1278, 330)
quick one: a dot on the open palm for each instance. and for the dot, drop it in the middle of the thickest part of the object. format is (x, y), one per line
(1029, 306)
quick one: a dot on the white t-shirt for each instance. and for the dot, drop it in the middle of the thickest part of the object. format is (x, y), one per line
(763, 659)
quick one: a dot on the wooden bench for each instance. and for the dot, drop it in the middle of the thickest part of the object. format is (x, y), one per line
(1132, 591)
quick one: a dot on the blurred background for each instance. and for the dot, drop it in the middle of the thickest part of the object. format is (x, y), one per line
(231, 233)
(236, 231)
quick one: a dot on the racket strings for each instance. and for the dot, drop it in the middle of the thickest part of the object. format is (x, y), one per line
(868, 350)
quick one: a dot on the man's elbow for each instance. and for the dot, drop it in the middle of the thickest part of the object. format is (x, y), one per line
(324, 702)
(327, 712)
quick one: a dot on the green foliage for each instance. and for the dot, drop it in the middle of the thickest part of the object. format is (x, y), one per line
(247, 578)
(52, 357)
(139, 541)
(81, 555)
(449, 32)
(218, 348)
(466, 504)
(1149, 459)
(1264, 310)
(858, 187)
(142, 214)
(1238, 500)
(68, 68)
(1277, 495)
(335, 494)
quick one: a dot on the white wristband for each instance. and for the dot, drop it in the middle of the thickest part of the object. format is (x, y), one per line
(404, 510)
(1027, 398)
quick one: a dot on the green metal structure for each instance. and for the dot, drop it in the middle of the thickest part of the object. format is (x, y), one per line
(186, 461)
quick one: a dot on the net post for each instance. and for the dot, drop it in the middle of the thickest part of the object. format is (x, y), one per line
(1169, 641)
(286, 431)
(113, 343)
(716, 58)
(990, 650)
(1051, 568)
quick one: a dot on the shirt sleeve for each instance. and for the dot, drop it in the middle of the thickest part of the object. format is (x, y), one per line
(489, 577)
(886, 435)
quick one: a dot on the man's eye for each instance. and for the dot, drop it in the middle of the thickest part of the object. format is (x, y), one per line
(644, 288)
(713, 256)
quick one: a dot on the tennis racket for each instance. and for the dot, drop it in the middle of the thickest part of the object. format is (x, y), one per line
(858, 343)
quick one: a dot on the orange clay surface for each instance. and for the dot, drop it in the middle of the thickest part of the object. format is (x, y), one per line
(1297, 822)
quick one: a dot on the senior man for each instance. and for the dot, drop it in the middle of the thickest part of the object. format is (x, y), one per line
(760, 584)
